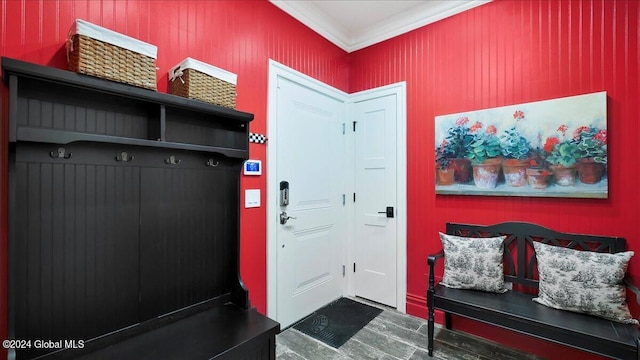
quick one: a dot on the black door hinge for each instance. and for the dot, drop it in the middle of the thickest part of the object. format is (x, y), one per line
(354, 125)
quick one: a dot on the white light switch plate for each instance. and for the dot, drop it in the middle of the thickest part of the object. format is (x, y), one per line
(252, 198)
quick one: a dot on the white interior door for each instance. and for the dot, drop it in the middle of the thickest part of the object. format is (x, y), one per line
(376, 190)
(310, 157)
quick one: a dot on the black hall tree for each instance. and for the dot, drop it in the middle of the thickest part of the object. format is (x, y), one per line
(124, 222)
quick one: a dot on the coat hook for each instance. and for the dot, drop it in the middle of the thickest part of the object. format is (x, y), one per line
(211, 163)
(60, 154)
(172, 160)
(124, 157)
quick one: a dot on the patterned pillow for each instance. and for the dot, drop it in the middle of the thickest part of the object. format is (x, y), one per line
(583, 281)
(473, 263)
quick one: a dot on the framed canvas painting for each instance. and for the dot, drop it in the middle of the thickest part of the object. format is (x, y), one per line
(552, 148)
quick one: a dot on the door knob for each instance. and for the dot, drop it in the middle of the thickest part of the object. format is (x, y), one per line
(284, 217)
(388, 212)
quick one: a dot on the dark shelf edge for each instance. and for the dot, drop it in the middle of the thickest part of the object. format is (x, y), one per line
(67, 137)
(46, 73)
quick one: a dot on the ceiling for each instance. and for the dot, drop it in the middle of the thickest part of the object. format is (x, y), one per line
(356, 24)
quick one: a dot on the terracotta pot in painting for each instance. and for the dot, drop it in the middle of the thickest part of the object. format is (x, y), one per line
(590, 171)
(515, 172)
(462, 169)
(485, 174)
(445, 177)
(538, 178)
(564, 176)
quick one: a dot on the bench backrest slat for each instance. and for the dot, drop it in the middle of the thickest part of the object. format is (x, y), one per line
(520, 266)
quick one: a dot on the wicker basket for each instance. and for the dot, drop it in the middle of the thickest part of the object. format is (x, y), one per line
(126, 64)
(197, 80)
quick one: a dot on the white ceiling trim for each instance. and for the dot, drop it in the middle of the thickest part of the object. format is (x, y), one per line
(396, 24)
(411, 19)
(318, 22)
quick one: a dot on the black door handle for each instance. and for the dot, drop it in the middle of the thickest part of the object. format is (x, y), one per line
(389, 212)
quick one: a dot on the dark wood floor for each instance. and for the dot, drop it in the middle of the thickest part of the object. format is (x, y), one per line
(391, 336)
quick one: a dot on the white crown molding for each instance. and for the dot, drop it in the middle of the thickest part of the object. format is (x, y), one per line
(403, 22)
(321, 23)
(409, 20)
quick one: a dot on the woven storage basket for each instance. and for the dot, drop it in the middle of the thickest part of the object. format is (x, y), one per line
(130, 63)
(197, 80)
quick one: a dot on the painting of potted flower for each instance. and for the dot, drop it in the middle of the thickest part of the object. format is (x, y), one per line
(563, 156)
(592, 146)
(538, 173)
(516, 149)
(459, 139)
(444, 165)
(484, 153)
(538, 148)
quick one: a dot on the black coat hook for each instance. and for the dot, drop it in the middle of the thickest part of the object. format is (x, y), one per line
(124, 157)
(60, 154)
(171, 160)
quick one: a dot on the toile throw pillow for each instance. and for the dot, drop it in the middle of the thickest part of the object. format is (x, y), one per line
(473, 263)
(583, 281)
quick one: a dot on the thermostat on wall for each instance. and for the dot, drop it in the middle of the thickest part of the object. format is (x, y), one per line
(253, 167)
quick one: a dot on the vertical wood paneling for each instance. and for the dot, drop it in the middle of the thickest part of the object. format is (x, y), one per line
(198, 267)
(509, 52)
(63, 255)
(501, 53)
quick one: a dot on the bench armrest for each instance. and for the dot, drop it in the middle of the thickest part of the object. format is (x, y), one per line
(431, 260)
(633, 287)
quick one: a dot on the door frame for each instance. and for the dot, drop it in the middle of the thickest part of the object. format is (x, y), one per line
(400, 90)
(277, 70)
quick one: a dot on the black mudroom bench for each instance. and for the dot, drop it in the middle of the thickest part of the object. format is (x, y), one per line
(515, 310)
(223, 332)
(124, 223)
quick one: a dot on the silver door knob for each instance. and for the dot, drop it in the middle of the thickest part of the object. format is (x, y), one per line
(284, 217)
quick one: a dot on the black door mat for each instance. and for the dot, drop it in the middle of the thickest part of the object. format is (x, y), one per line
(337, 322)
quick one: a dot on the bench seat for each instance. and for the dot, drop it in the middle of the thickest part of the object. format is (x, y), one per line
(516, 311)
(223, 332)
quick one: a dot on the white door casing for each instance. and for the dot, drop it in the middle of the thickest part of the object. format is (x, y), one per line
(376, 205)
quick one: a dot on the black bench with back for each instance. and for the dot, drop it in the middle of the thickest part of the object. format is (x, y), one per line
(515, 310)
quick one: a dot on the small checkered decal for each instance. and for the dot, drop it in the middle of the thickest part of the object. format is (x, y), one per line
(257, 138)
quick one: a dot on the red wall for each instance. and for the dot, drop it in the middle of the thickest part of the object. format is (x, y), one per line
(239, 36)
(502, 53)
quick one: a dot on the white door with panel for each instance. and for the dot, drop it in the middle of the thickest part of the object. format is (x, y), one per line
(376, 203)
(311, 225)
